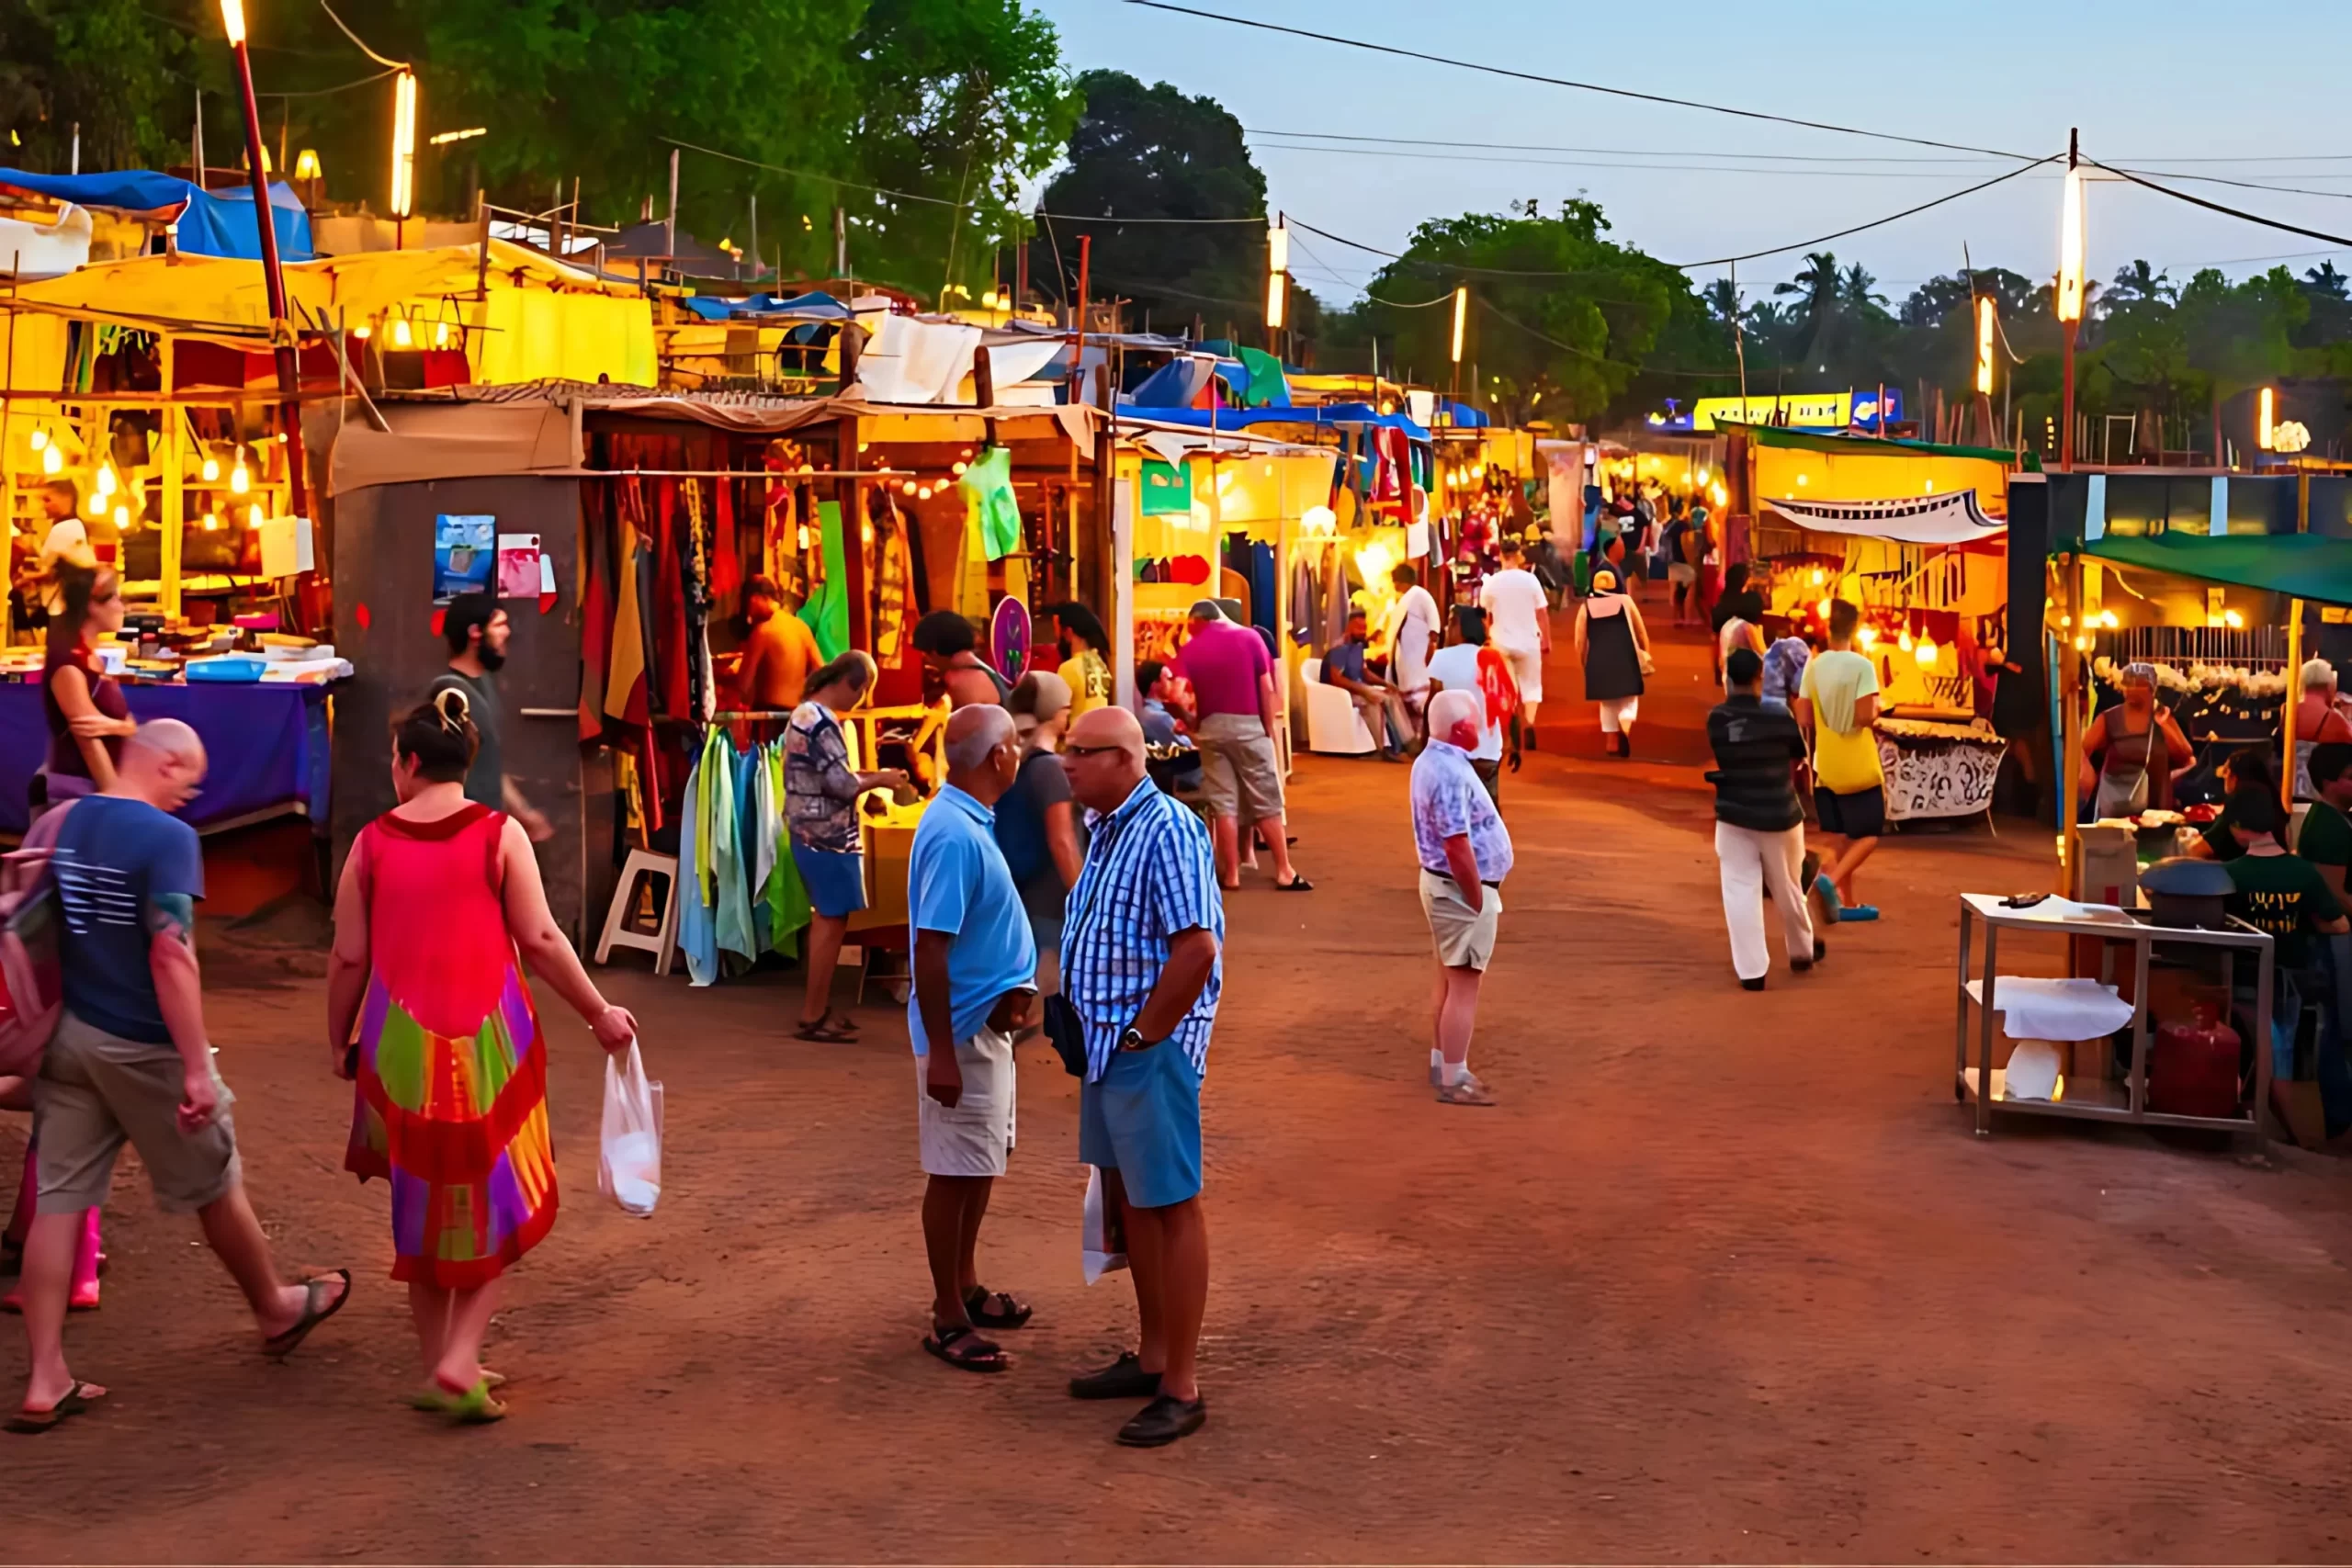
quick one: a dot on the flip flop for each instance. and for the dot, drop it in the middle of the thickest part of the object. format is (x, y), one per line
(841, 1022)
(996, 1308)
(824, 1033)
(976, 1354)
(432, 1398)
(1855, 914)
(472, 1408)
(278, 1346)
(1826, 891)
(76, 1400)
(1296, 884)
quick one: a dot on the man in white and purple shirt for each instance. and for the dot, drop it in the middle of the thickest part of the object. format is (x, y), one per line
(1465, 853)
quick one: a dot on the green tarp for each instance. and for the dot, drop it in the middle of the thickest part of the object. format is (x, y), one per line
(1860, 445)
(1167, 489)
(2304, 566)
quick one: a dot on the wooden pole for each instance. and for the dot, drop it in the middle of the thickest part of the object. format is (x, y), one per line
(2294, 701)
(173, 520)
(2070, 689)
(851, 491)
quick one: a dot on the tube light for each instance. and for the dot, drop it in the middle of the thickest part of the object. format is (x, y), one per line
(2266, 416)
(403, 143)
(2070, 249)
(1461, 319)
(1984, 320)
(233, 19)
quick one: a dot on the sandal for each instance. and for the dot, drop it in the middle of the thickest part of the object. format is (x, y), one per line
(432, 1397)
(997, 1309)
(76, 1400)
(960, 1347)
(474, 1407)
(1297, 884)
(278, 1346)
(824, 1033)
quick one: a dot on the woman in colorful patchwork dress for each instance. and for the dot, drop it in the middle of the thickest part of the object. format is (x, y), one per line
(439, 909)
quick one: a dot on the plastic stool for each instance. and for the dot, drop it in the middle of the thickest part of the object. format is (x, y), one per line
(618, 932)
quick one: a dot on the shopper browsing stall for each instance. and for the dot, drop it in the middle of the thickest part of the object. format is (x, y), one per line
(820, 793)
(2326, 836)
(1837, 702)
(2134, 750)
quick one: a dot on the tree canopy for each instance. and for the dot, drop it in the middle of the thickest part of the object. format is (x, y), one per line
(952, 100)
(1152, 154)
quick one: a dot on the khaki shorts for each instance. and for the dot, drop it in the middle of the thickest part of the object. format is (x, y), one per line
(1238, 765)
(1464, 939)
(95, 1091)
(974, 1135)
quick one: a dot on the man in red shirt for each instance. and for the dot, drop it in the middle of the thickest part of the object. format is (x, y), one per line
(1238, 708)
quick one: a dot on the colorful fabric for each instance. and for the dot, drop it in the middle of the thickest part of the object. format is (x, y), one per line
(993, 513)
(450, 1107)
(821, 789)
(827, 610)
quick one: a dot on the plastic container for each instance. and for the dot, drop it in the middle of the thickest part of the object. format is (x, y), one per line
(230, 669)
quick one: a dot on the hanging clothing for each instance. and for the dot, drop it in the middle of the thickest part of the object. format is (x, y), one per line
(827, 610)
(991, 508)
(892, 571)
(450, 1106)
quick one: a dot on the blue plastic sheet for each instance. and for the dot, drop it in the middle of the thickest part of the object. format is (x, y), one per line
(814, 306)
(266, 747)
(213, 223)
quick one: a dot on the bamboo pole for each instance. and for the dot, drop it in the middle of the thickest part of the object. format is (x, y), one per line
(2294, 701)
(173, 520)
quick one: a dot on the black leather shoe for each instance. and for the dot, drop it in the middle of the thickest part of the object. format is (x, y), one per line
(1163, 1421)
(1122, 1379)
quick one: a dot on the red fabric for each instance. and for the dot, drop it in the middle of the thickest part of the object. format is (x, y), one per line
(596, 613)
(670, 604)
(1498, 686)
(726, 557)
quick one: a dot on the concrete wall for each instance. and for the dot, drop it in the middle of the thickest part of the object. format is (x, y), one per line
(383, 624)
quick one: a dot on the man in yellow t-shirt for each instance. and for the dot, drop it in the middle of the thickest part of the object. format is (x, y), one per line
(1087, 669)
(1837, 702)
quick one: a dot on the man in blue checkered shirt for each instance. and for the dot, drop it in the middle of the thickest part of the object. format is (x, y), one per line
(1141, 964)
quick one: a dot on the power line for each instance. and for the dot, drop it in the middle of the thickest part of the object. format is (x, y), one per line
(1564, 82)
(2253, 185)
(2217, 207)
(1586, 164)
(1618, 152)
(355, 38)
(936, 200)
(1510, 320)
(328, 92)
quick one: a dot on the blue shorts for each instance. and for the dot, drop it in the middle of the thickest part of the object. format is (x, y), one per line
(1143, 1120)
(836, 883)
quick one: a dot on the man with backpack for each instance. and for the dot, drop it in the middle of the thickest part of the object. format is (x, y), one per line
(130, 1062)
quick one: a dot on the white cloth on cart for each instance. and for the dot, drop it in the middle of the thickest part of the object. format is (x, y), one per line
(2033, 1008)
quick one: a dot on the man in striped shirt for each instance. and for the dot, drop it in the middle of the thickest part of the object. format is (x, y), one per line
(1141, 964)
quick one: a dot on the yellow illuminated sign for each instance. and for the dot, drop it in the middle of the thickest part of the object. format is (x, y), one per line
(1805, 410)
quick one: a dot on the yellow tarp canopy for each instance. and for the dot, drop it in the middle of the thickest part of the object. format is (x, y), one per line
(541, 318)
(1796, 474)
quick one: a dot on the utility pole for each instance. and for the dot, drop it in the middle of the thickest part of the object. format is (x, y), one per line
(2070, 293)
(755, 235)
(1739, 340)
(840, 244)
(281, 327)
(196, 143)
(669, 224)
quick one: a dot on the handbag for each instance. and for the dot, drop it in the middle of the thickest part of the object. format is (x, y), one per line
(32, 980)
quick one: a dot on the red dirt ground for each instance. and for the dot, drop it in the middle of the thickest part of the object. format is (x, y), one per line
(1725, 1278)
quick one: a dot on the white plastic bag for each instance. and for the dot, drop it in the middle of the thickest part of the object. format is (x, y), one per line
(631, 1170)
(1103, 1245)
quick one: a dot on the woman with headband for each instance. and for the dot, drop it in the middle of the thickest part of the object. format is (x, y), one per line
(2131, 750)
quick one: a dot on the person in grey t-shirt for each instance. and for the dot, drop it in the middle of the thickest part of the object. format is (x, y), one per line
(477, 631)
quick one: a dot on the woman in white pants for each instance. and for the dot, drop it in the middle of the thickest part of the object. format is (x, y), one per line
(1759, 826)
(1612, 645)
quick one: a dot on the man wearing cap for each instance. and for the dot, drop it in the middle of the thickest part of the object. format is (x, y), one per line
(1238, 709)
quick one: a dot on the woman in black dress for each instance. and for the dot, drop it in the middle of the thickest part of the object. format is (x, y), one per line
(1613, 646)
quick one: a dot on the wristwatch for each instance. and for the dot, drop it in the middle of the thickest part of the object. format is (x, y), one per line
(1131, 1039)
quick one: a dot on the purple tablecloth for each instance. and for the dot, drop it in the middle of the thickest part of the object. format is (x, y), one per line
(266, 745)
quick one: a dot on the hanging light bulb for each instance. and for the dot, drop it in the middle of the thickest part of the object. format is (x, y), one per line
(105, 481)
(253, 516)
(212, 522)
(440, 334)
(40, 438)
(402, 337)
(1824, 609)
(922, 492)
(958, 470)
(1819, 576)
(1925, 653)
(96, 505)
(1868, 637)
(804, 538)
(122, 517)
(906, 486)
(212, 468)
(240, 478)
(1904, 642)
(51, 460)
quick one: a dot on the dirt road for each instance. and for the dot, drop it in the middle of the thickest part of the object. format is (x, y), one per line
(1724, 1277)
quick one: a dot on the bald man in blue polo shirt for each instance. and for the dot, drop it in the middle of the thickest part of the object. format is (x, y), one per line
(976, 973)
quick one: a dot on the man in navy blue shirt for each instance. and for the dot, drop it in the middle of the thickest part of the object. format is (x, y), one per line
(976, 971)
(130, 1062)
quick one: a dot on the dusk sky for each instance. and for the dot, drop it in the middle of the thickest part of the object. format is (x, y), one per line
(2154, 85)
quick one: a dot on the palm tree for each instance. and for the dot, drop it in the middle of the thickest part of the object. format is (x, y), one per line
(1722, 300)
(1817, 285)
(2140, 283)
(1857, 290)
(2324, 280)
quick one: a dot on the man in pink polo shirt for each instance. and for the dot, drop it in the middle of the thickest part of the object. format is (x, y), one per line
(1234, 699)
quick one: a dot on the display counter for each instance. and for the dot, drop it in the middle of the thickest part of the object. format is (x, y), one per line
(1938, 769)
(265, 744)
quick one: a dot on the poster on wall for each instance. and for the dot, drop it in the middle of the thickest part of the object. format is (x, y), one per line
(1008, 636)
(519, 566)
(465, 548)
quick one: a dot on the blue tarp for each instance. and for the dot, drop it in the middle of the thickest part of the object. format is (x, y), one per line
(815, 306)
(1178, 383)
(1463, 415)
(1241, 419)
(214, 223)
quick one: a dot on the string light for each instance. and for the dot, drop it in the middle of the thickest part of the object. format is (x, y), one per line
(1927, 652)
(40, 438)
(212, 468)
(51, 460)
(401, 338)
(906, 486)
(122, 517)
(1904, 642)
(211, 522)
(253, 516)
(105, 481)
(240, 478)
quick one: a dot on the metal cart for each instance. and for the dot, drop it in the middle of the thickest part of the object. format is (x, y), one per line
(2098, 1101)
